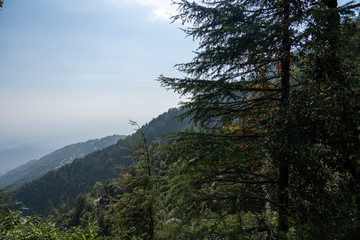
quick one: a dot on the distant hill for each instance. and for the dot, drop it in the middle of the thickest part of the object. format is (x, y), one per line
(37, 168)
(64, 184)
(13, 156)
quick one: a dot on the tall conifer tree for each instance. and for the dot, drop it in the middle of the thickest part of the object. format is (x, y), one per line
(241, 74)
(241, 79)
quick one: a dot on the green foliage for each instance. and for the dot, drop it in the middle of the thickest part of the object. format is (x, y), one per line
(132, 214)
(86, 214)
(4, 207)
(17, 226)
(208, 187)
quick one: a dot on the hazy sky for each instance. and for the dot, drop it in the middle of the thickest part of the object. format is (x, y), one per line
(80, 69)
(71, 70)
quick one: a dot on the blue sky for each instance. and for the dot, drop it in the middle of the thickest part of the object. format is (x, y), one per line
(73, 70)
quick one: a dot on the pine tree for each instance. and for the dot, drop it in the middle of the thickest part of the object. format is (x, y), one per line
(241, 75)
(240, 86)
(132, 214)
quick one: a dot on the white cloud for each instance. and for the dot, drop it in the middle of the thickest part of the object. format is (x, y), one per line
(158, 9)
(164, 12)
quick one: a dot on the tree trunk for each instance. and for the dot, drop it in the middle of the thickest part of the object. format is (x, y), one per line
(283, 196)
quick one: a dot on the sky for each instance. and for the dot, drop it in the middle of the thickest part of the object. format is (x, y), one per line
(74, 70)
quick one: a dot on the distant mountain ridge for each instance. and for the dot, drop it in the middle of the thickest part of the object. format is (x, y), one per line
(35, 169)
(78, 177)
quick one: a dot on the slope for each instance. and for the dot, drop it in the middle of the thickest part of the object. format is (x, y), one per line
(64, 184)
(37, 168)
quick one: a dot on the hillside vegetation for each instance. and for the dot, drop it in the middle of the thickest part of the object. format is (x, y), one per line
(65, 183)
(36, 168)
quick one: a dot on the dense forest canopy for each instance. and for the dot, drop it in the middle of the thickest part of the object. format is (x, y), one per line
(272, 150)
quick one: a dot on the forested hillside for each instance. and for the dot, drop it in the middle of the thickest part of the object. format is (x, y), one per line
(65, 183)
(37, 168)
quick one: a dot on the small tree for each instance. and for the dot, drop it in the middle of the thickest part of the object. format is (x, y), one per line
(132, 215)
